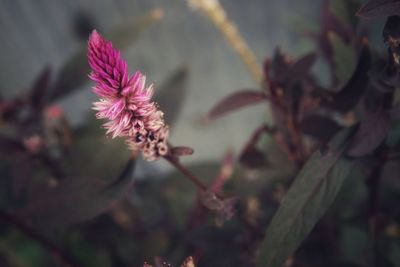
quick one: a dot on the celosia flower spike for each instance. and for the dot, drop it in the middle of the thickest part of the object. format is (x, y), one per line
(125, 102)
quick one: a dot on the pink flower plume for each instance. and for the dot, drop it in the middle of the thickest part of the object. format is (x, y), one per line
(125, 102)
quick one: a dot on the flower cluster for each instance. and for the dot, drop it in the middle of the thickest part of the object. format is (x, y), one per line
(125, 101)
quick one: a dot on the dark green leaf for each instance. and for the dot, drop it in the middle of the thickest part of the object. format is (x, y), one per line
(311, 194)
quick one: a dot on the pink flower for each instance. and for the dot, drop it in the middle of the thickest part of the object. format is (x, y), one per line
(125, 102)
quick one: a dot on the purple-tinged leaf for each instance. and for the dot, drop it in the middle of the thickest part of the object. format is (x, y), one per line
(351, 93)
(373, 129)
(300, 69)
(38, 93)
(180, 151)
(320, 127)
(236, 101)
(379, 8)
(330, 23)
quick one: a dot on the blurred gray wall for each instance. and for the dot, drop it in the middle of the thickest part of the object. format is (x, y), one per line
(38, 33)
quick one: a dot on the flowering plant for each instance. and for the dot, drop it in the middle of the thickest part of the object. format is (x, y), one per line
(316, 183)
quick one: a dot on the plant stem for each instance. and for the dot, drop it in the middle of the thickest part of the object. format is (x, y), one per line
(62, 256)
(186, 172)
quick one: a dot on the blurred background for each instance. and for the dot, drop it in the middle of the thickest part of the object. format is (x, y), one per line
(48, 33)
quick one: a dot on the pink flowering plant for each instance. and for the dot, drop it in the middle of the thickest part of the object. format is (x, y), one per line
(316, 184)
(125, 101)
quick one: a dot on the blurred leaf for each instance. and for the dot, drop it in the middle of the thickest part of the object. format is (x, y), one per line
(75, 71)
(331, 22)
(236, 101)
(38, 93)
(320, 127)
(373, 129)
(83, 25)
(344, 59)
(253, 157)
(312, 192)
(95, 154)
(379, 8)
(300, 69)
(171, 94)
(343, 10)
(73, 200)
(351, 93)
(94, 181)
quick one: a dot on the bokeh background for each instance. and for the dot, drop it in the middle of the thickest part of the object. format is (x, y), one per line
(48, 33)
